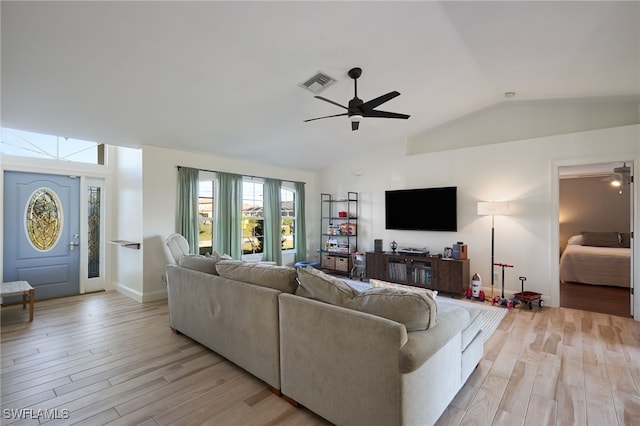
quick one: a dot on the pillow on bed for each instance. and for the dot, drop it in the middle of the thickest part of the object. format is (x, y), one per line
(625, 239)
(575, 240)
(601, 239)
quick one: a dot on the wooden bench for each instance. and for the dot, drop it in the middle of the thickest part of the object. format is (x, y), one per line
(15, 288)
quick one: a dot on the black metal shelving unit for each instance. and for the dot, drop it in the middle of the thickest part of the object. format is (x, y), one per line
(338, 232)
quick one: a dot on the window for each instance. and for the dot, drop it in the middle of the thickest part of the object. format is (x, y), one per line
(44, 219)
(288, 206)
(252, 216)
(205, 216)
(37, 145)
(94, 221)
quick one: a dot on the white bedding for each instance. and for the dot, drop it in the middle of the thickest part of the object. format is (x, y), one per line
(596, 265)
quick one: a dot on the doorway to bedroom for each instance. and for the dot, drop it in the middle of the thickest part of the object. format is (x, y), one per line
(595, 225)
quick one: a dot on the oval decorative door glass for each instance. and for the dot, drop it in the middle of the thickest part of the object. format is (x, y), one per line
(44, 219)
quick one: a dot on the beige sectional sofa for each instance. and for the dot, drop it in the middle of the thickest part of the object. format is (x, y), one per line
(377, 357)
(237, 318)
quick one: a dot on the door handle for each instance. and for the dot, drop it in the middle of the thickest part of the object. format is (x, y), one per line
(74, 244)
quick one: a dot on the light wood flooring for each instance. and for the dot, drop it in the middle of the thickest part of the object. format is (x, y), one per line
(110, 360)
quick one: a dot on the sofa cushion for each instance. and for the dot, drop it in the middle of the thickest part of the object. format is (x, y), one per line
(315, 284)
(416, 310)
(199, 262)
(470, 330)
(422, 345)
(281, 278)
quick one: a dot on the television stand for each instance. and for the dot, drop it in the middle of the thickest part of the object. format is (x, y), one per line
(420, 270)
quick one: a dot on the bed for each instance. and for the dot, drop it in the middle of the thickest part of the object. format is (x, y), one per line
(597, 258)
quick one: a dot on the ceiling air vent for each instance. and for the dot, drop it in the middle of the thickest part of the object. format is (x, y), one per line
(318, 82)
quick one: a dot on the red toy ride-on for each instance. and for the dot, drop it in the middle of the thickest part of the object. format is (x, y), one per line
(528, 297)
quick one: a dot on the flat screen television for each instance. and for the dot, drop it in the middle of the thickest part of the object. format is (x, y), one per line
(422, 209)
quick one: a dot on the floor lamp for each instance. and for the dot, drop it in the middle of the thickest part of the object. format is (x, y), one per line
(493, 209)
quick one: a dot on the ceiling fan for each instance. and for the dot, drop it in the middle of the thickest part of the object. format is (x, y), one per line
(621, 176)
(358, 109)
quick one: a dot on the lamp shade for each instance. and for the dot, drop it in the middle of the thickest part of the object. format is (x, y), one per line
(493, 208)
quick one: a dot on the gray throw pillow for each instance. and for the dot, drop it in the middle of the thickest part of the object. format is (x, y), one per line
(379, 283)
(281, 278)
(199, 263)
(315, 284)
(416, 310)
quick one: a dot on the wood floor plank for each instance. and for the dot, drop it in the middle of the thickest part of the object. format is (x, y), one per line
(111, 360)
(484, 406)
(547, 376)
(572, 408)
(599, 401)
(519, 388)
(540, 411)
(627, 408)
(175, 393)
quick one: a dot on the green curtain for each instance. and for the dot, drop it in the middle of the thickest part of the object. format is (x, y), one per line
(187, 215)
(227, 238)
(272, 244)
(301, 228)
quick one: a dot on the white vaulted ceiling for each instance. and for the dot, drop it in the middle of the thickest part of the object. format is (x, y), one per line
(222, 77)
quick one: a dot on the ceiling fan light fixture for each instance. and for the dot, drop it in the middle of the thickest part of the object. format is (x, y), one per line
(616, 183)
(358, 109)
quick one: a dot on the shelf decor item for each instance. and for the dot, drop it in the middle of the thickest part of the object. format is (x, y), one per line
(493, 209)
(394, 246)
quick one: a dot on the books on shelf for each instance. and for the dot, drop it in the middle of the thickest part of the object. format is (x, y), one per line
(398, 271)
(422, 275)
(419, 274)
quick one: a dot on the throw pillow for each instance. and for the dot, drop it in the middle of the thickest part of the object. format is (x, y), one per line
(601, 239)
(379, 283)
(416, 310)
(281, 278)
(575, 240)
(315, 284)
(199, 262)
(625, 239)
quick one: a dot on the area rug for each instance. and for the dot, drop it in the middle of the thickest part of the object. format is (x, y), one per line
(491, 315)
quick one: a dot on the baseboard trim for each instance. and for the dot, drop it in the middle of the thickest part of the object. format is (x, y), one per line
(129, 292)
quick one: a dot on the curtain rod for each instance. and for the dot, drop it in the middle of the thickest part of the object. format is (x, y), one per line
(249, 176)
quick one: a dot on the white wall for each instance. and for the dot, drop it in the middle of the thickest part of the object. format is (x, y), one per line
(127, 225)
(523, 172)
(159, 178)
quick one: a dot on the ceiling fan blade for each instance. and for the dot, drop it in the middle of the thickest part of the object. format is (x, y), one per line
(354, 125)
(385, 114)
(326, 116)
(331, 102)
(370, 105)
